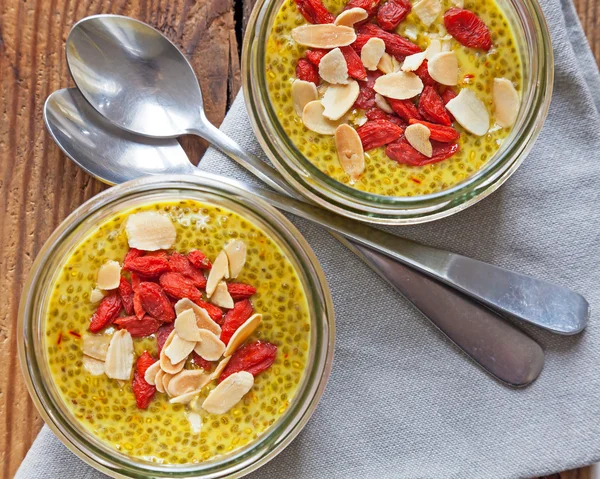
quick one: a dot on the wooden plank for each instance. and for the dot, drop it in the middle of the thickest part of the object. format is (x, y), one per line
(589, 11)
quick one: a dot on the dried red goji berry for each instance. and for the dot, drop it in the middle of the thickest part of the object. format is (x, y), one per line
(180, 264)
(199, 259)
(133, 253)
(178, 286)
(366, 94)
(356, 69)
(148, 266)
(376, 133)
(253, 358)
(314, 56)
(215, 313)
(369, 5)
(423, 73)
(240, 290)
(163, 334)
(447, 95)
(143, 391)
(155, 302)
(200, 361)
(393, 12)
(467, 28)
(395, 45)
(138, 328)
(161, 253)
(314, 11)
(126, 294)
(403, 153)
(377, 113)
(306, 71)
(405, 109)
(234, 318)
(441, 133)
(108, 310)
(431, 107)
(138, 309)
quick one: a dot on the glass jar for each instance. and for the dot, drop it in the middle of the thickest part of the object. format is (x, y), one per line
(36, 294)
(533, 40)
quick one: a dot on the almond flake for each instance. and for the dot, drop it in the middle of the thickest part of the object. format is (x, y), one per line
(338, 99)
(435, 47)
(186, 326)
(179, 349)
(412, 62)
(418, 137)
(109, 275)
(303, 92)
(399, 85)
(166, 379)
(185, 398)
(359, 119)
(470, 112)
(152, 372)
(351, 16)
(313, 119)
(427, 11)
(150, 231)
(210, 347)
(447, 45)
(333, 67)
(187, 381)
(386, 64)
(236, 250)
(119, 356)
(221, 296)
(158, 381)
(458, 3)
(220, 367)
(219, 271)
(96, 345)
(382, 103)
(96, 295)
(372, 52)
(165, 363)
(243, 332)
(203, 320)
(195, 421)
(324, 36)
(443, 68)
(228, 393)
(350, 151)
(93, 366)
(411, 32)
(506, 102)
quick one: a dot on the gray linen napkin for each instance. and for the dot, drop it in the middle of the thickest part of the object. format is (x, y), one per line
(402, 401)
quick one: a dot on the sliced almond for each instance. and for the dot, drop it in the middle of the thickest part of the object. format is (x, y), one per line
(351, 16)
(324, 36)
(210, 347)
(470, 112)
(427, 11)
(333, 67)
(382, 103)
(219, 270)
(443, 68)
(185, 398)
(458, 3)
(418, 137)
(187, 381)
(93, 366)
(386, 63)
(350, 151)
(413, 62)
(303, 92)
(96, 345)
(236, 250)
(506, 102)
(399, 85)
(179, 349)
(411, 31)
(109, 275)
(242, 333)
(166, 379)
(221, 296)
(219, 369)
(447, 45)
(165, 363)
(119, 356)
(96, 295)
(313, 119)
(228, 393)
(338, 99)
(372, 52)
(186, 326)
(195, 421)
(435, 47)
(151, 373)
(158, 381)
(150, 231)
(203, 320)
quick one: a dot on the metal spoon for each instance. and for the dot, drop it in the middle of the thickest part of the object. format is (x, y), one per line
(113, 156)
(138, 80)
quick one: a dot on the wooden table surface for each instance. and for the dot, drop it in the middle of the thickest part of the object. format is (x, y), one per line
(39, 186)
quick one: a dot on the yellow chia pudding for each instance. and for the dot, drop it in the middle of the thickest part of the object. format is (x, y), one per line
(177, 332)
(397, 97)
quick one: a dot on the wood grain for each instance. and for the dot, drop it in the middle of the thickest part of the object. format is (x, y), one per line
(39, 186)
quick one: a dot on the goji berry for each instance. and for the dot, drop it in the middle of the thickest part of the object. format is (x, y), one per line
(108, 310)
(240, 290)
(138, 309)
(161, 253)
(133, 253)
(393, 12)
(314, 11)
(306, 71)
(200, 361)
(253, 358)
(315, 56)
(405, 109)
(143, 391)
(199, 259)
(215, 313)
(356, 69)
(376, 133)
(369, 5)
(467, 28)
(234, 318)
(126, 294)
(155, 302)
(441, 133)
(403, 153)
(395, 45)
(366, 94)
(377, 113)
(431, 107)
(180, 264)
(138, 328)
(178, 286)
(423, 73)
(148, 266)
(447, 95)
(163, 334)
